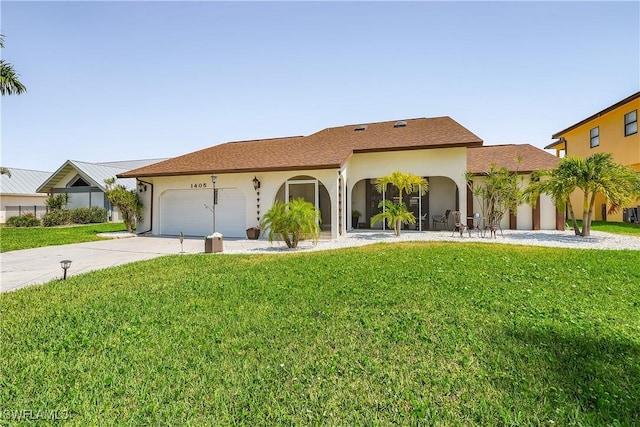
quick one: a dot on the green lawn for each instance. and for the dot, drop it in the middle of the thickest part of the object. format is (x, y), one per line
(12, 239)
(405, 334)
(613, 227)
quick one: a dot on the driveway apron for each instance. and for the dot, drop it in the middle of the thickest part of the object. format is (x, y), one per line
(39, 265)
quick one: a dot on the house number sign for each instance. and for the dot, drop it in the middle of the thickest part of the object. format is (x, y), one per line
(199, 185)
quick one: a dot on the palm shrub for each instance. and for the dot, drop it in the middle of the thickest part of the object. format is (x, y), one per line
(59, 201)
(292, 221)
(498, 193)
(395, 214)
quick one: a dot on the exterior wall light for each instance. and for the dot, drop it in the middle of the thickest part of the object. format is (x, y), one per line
(256, 186)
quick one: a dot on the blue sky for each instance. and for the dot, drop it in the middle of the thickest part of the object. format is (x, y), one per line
(129, 80)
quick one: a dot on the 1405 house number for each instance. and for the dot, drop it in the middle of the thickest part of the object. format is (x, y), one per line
(200, 185)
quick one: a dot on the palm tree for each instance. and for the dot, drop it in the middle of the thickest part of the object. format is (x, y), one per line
(394, 214)
(5, 171)
(597, 174)
(558, 183)
(404, 182)
(293, 221)
(9, 83)
(397, 214)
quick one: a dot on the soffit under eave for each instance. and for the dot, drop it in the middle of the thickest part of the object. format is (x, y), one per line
(61, 173)
(230, 171)
(557, 145)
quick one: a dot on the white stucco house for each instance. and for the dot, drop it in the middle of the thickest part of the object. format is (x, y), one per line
(19, 193)
(334, 168)
(84, 182)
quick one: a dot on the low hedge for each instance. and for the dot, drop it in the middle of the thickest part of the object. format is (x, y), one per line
(92, 215)
(24, 220)
(56, 217)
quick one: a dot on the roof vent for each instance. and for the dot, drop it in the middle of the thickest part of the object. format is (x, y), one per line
(400, 124)
(361, 127)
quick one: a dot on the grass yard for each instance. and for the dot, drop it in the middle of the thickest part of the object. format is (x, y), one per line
(405, 334)
(612, 227)
(13, 239)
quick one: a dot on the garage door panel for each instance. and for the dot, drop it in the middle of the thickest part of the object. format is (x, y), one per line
(188, 211)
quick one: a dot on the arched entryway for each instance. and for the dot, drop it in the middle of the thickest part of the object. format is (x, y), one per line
(311, 190)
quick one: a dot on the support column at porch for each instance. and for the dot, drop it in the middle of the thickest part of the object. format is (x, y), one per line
(461, 183)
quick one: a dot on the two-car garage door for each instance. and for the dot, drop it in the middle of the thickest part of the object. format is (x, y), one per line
(188, 211)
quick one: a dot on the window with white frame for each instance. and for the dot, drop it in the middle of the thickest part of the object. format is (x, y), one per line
(594, 136)
(631, 123)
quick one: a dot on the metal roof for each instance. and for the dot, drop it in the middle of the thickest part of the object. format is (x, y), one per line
(93, 174)
(22, 182)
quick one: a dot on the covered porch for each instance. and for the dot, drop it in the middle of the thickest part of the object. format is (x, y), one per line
(443, 194)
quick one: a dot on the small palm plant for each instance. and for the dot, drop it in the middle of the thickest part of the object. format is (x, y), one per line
(397, 213)
(293, 221)
(394, 214)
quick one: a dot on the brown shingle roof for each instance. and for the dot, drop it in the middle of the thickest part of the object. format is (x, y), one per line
(328, 148)
(479, 159)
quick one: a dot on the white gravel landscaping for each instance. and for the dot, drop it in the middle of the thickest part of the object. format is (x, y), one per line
(558, 239)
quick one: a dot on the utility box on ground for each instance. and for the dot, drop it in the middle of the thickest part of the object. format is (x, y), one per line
(213, 243)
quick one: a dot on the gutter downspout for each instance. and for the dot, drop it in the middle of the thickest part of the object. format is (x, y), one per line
(151, 209)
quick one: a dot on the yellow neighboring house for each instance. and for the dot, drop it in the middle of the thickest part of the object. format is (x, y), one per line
(613, 130)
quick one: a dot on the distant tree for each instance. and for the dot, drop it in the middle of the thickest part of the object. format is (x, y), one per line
(597, 174)
(5, 171)
(127, 201)
(293, 221)
(9, 83)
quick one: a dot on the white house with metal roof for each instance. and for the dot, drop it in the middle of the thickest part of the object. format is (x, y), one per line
(84, 182)
(19, 193)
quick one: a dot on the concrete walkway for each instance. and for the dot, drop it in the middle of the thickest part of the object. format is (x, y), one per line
(39, 265)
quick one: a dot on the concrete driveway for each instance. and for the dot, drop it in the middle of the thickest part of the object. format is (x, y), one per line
(40, 265)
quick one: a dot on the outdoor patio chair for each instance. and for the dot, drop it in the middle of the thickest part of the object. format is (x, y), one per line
(492, 227)
(441, 219)
(458, 224)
